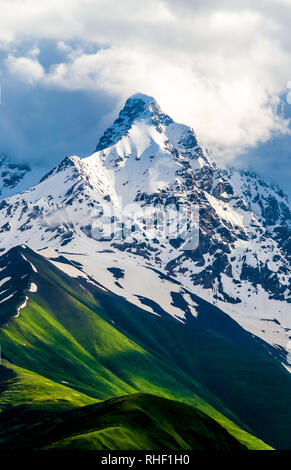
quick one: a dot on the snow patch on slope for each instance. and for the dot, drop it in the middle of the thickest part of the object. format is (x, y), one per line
(22, 306)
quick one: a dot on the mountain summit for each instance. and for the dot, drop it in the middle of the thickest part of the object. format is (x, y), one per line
(138, 107)
(148, 152)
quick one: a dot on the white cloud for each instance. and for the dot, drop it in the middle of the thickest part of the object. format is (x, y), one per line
(216, 65)
(25, 68)
(34, 51)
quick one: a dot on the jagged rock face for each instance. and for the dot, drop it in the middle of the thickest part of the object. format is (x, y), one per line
(135, 107)
(242, 261)
(252, 215)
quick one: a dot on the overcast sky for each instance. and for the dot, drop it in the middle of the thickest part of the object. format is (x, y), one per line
(221, 66)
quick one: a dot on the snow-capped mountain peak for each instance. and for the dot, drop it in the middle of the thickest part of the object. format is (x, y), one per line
(138, 107)
(242, 262)
(145, 151)
(142, 117)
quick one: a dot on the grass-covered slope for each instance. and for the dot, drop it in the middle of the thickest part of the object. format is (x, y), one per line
(138, 421)
(96, 346)
(255, 387)
(28, 400)
(19, 386)
(39, 414)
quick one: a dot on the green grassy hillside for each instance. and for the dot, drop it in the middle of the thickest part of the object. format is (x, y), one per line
(67, 353)
(39, 414)
(137, 421)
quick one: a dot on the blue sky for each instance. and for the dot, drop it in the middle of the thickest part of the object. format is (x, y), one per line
(220, 66)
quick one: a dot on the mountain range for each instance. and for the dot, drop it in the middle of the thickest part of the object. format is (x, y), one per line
(114, 334)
